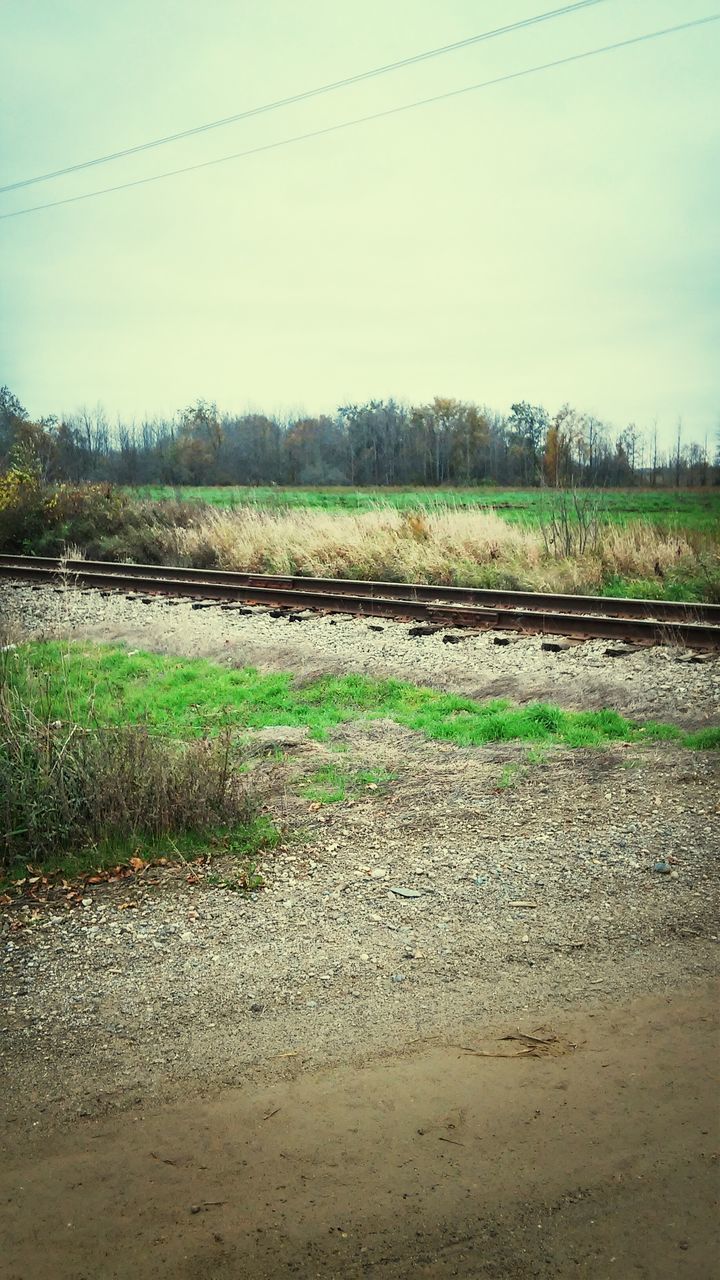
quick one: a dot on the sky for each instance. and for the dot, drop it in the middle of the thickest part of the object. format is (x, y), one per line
(554, 238)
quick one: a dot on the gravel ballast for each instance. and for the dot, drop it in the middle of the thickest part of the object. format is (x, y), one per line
(654, 683)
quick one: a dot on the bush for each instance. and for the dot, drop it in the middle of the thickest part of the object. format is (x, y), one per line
(41, 518)
(65, 788)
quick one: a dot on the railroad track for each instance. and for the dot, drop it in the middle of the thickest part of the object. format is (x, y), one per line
(695, 626)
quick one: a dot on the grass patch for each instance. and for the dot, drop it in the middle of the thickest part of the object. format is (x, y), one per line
(196, 698)
(697, 509)
(116, 852)
(508, 777)
(332, 784)
(82, 790)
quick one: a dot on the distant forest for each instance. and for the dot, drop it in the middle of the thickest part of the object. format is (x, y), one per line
(446, 442)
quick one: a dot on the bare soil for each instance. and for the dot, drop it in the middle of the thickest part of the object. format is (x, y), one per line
(598, 1163)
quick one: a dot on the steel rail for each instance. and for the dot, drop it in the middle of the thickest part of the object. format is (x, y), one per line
(669, 611)
(208, 585)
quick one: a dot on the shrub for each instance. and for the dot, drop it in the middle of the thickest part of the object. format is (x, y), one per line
(41, 518)
(64, 787)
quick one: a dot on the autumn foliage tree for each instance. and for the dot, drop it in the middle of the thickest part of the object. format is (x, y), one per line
(442, 442)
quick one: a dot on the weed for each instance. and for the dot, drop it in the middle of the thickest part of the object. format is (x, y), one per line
(75, 785)
(246, 880)
(331, 784)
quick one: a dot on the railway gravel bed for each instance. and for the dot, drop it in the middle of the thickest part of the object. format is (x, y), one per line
(648, 683)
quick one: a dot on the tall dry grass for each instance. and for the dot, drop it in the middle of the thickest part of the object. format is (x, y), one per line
(574, 548)
(471, 548)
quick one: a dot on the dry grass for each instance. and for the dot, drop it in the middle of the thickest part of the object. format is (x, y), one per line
(572, 544)
(465, 547)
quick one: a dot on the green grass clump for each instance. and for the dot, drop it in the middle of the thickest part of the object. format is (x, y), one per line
(192, 698)
(331, 784)
(87, 854)
(81, 789)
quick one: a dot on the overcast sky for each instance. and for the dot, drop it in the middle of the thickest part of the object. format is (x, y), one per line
(554, 238)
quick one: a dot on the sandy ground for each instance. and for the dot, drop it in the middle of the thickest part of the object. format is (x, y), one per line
(602, 1162)
(313, 1081)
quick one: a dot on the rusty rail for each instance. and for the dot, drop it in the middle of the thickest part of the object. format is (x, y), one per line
(635, 621)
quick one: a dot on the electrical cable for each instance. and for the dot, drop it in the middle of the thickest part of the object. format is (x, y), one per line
(376, 115)
(303, 96)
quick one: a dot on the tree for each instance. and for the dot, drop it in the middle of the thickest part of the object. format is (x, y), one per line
(678, 453)
(629, 439)
(528, 425)
(12, 414)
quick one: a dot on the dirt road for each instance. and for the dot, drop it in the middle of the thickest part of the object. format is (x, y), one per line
(601, 1162)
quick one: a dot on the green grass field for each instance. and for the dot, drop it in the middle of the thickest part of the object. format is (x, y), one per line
(185, 698)
(697, 509)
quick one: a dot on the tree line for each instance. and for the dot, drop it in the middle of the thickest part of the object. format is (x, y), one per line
(382, 442)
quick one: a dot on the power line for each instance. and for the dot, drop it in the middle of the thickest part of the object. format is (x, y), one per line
(305, 95)
(376, 115)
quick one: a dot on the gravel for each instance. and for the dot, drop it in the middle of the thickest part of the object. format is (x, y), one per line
(653, 683)
(527, 896)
